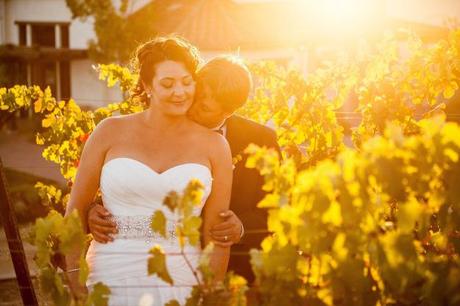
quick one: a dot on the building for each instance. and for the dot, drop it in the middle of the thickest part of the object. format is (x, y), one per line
(40, 44)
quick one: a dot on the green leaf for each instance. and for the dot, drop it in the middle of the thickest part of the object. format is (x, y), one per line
(52, 283)
(99, 296)
(157, 264)
(204, 261)
(71, 234)
(84, 271)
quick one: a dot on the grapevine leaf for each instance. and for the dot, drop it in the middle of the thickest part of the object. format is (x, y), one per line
(171, 200)
(99, 295)
(191, 229)
(172, 303)
(158, 223)
(157, 264)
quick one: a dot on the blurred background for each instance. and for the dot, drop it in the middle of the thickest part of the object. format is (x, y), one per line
(56, 43)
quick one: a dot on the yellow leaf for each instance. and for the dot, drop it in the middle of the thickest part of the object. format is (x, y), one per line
(38, 105)
(71, 173)
(325, 295)
(449, 91)
(333, 215)
(439, 240)
(47, 122)
(339, 248)
(156, 265)
(451, 154)
(158, 223)
(49, 106)
(408, 215)
(20, 101)
(39, 139)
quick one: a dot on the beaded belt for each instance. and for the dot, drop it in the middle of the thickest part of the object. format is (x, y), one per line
(138, 227)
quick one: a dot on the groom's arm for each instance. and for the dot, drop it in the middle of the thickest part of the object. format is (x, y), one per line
(229, 231)
(99, 223)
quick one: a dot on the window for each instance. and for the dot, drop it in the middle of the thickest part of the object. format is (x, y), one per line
(43, 35)
(49, 69)
(44, 75)
(22, 35)
(64, 36)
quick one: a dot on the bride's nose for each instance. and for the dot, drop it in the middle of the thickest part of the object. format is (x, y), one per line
(179, 91)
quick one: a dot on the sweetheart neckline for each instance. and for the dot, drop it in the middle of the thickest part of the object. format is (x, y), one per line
(153, 170)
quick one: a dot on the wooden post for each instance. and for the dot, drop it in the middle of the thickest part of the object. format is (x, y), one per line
(18, 257)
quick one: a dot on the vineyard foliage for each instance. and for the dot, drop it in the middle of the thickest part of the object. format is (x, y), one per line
(374, 223)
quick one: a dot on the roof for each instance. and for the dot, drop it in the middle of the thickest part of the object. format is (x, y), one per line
(224, 25)
(40, 53)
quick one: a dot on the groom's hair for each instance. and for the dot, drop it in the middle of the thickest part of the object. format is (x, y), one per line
(229, 80)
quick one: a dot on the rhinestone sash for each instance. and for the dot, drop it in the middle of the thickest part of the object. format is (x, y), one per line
(138, 228)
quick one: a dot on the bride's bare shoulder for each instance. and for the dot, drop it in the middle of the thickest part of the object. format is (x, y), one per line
(118, 121)
(114, 126)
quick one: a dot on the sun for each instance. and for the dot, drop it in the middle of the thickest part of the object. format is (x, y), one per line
(342, 16)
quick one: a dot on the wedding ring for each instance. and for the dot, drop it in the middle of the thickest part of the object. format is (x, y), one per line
(225, 238)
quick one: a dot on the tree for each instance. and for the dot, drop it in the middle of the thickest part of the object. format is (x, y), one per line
(116, 35)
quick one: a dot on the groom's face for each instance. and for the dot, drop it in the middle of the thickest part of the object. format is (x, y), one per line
(206, 110)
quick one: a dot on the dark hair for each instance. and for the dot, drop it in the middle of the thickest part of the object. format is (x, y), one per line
(157, 50)
(229, 80)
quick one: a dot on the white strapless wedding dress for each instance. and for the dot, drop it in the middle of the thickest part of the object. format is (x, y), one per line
(132, 192)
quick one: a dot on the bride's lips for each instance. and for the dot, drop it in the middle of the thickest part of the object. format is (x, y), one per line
(178, 102)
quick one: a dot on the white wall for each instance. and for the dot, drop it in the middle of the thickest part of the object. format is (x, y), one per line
(47, 11)
(2, 21)
(87, 89)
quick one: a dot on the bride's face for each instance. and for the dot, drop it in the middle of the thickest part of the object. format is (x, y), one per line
(172, 89)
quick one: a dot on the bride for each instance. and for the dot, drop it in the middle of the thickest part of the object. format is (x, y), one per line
(136, 160)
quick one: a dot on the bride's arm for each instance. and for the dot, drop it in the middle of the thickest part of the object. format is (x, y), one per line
(85, 187)
(218, 201)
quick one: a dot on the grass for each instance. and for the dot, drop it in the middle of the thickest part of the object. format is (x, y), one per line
(23, 195)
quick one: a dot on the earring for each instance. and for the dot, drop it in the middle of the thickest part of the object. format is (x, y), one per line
(149, 95)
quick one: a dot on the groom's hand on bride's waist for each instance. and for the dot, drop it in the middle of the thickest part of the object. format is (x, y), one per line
(100, 225)
(229, 231)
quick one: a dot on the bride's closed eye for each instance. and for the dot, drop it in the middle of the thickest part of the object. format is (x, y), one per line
(187, 81)
(167, 83)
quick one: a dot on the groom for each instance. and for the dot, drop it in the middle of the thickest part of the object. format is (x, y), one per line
(223, 86)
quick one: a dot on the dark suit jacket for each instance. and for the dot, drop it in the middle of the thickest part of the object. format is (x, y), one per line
(247, 189)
